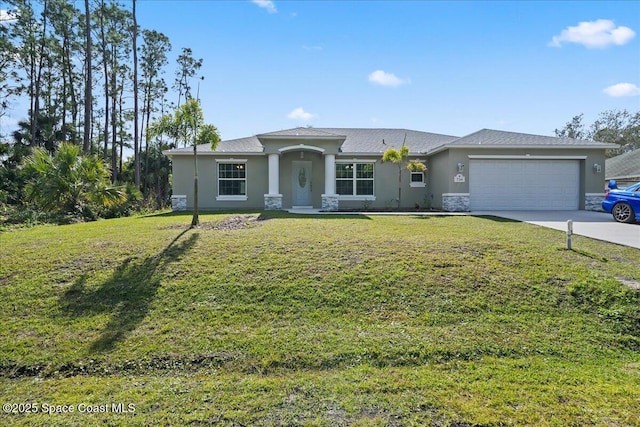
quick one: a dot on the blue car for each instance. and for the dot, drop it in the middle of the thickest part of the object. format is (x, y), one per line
(623, 204)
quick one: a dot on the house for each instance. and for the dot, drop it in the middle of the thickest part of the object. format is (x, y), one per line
(342, 168)
(625, 168)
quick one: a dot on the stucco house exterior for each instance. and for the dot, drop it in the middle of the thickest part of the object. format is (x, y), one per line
(342, 168)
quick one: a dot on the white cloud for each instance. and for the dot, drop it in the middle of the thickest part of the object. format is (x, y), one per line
(300, 114)
(387, 79)
(622, 89)
(6, 17)
(266, 4)
(594, 34)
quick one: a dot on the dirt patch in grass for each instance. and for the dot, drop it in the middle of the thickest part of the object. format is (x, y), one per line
(633, 284)
(235, 222)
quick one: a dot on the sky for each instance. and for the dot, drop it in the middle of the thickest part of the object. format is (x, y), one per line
(450, 67)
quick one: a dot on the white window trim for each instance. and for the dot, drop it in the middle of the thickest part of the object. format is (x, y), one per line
(232, 198)
(417, 184)
(356, 198)
(356, 161)
(355, 181)
(232, 160)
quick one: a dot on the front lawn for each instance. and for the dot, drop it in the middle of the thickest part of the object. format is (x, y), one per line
(317, 320)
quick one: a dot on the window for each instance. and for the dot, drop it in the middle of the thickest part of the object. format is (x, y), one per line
(417, 179)
(354, 179)
(232, 180)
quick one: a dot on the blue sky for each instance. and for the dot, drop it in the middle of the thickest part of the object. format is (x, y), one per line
(445, 67)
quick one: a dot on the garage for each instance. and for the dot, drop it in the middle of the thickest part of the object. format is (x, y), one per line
(524, 184)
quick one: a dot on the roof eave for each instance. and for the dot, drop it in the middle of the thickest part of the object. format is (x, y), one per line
(603, 146)
(293, 137)
(213, 153)
(360, 153)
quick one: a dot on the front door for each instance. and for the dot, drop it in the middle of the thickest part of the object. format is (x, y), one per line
(301, 183)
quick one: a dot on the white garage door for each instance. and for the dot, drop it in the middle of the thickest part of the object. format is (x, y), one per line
(524, 184)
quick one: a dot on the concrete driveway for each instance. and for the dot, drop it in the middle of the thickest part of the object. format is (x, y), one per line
(597, 225)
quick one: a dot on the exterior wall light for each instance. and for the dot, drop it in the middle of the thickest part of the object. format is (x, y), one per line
(597, 168)
(460, 167)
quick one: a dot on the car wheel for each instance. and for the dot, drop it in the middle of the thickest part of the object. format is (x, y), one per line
(623, 212)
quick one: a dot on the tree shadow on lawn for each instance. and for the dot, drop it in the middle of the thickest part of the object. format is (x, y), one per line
(127, 294)
(495, 218)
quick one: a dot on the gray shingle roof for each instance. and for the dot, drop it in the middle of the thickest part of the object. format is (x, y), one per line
(241, 145)
(361, 140)
(308, 132)
(625, 165)
(357, 140)
(370, 141)
(502, 138)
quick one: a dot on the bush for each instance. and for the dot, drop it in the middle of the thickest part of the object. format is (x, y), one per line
(134, 202)
(71, 182)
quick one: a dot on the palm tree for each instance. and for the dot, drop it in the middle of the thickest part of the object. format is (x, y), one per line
(70, 182)
(401, 158)
(187, 125)
(398, 157)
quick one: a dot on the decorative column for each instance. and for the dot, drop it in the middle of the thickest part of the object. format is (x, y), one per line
(273, 200)
(330, 198)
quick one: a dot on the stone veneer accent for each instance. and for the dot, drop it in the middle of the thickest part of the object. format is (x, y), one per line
(593, 202)
(272, 202)
(178, 203)
(329, 202)
(455, 202)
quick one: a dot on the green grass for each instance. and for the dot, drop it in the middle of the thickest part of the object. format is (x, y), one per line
(328, 320)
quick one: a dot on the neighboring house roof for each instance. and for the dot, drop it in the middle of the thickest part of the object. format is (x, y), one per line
(374, 141)
(625, 165)
(500, 138)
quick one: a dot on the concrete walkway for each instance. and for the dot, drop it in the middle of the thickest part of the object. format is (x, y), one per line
(597, 225)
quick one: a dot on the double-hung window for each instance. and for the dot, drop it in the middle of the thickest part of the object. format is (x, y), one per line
(354, 179)
(232, 181)
(417, 179)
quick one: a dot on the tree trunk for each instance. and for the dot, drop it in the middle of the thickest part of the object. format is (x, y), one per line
(136, 141)
(86, 140)
(38, 88)
(114, 140)
(146, 141)
(195, 220)
(105, 70)
(399, 184)
(63, 135)
(72, 93)
(121, 136)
